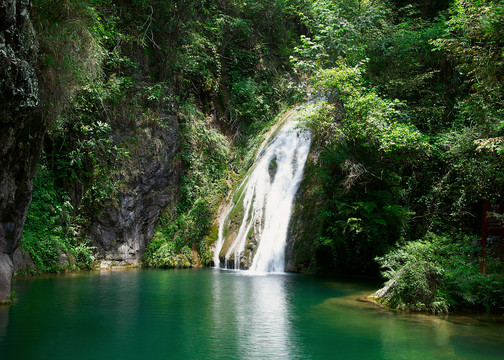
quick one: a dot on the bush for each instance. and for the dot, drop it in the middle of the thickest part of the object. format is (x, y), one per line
(437, 274)
(50, 228)
(167, 255)
(368, 146)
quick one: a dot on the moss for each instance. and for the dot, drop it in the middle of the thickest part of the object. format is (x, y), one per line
(238, 194)
(237, 212)
(214, 233)
(228, 241)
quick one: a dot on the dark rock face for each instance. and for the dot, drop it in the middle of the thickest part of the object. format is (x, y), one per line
(22, 129)
(122, 232)
(301, 245)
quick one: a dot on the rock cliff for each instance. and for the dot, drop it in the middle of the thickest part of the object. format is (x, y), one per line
(22, 129)
(121, 232)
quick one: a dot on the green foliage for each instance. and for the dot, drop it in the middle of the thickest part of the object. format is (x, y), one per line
(174, 239)
(367, 144)
(393, 170)
(475, 44)
(87, 156)
(50, 229)
(338, 29)
(386, 170)
(249, 102)
(404, 65)
(205, 154)
(45, 232)
(83, 253)
(355, 115)
(82, 83)
(164, 254)
(112, 71)
(438, 274)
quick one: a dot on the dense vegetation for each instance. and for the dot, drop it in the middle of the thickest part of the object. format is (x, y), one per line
(112, 71)
(409, 135)
(412, 143)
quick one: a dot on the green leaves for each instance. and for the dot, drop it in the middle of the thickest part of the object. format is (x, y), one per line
(337, 29)
(51, 229)
(437, 274)
(167, 256)
(475, 44)
(367, 147)
(359, 117)
(205, 156)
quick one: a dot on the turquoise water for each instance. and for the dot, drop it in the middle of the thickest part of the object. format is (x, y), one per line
(216, 314)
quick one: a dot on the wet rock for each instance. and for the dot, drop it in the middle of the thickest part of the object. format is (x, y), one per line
(300, 249)
(66, 261)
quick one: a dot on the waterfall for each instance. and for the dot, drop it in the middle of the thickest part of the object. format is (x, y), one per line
(253, 233)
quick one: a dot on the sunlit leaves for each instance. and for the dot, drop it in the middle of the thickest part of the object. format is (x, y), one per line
(338, 29)
(356, 114)
(475, 43)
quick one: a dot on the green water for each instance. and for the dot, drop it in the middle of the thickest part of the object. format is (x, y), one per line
(214, 314)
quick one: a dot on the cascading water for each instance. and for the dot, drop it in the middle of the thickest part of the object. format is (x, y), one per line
(253, 233)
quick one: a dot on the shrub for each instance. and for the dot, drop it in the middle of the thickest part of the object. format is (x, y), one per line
(167, 256)
(50, 228)
(437, 274)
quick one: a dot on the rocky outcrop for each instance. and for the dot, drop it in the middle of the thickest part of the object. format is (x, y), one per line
(385, 292)
(22, 129)
(122, 232)
(6, 270)
(22, 261)
(300, 250)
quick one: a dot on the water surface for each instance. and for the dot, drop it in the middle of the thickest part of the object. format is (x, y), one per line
(217, 314)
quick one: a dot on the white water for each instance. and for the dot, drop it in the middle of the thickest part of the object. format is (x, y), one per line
(266, 196)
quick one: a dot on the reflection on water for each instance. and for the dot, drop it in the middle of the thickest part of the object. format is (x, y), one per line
(410, 336)
(218, 314)
(4, 321)
(263, 317)
(253, 313)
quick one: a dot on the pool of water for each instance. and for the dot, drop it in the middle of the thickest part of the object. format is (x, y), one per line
(217, 314)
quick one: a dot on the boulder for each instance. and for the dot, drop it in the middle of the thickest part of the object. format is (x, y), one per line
(22, 261)
(66, 260)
